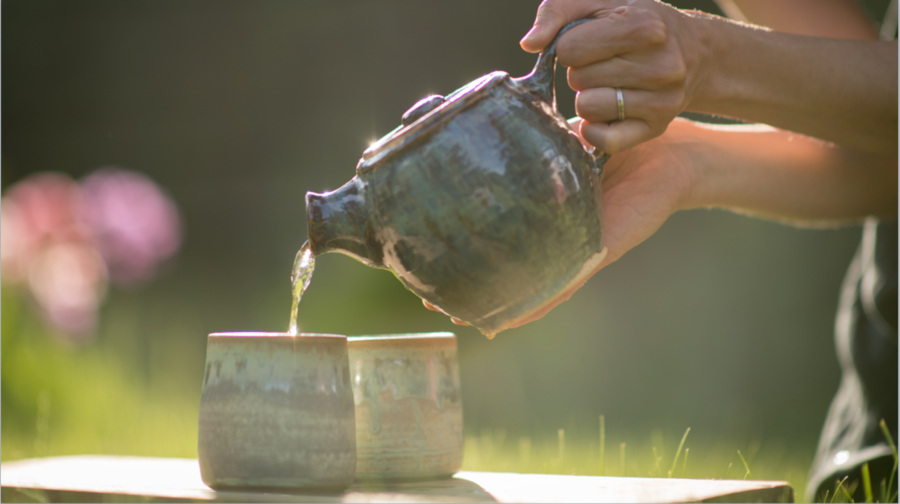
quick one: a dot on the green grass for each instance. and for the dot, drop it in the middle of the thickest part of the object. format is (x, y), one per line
(98, 408)
(65, 400)
(494, 450)
(636, 454)
(61, 399)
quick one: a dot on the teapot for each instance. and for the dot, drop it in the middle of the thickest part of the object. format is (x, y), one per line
(484, 202)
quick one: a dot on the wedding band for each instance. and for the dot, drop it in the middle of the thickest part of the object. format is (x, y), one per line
(620, 101)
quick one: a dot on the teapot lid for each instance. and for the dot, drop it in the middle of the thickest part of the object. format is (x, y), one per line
(426, 114)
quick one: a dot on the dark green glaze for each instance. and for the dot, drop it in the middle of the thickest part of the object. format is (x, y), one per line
(486, 205)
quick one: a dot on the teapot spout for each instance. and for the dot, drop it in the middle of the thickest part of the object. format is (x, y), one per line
(339, 221)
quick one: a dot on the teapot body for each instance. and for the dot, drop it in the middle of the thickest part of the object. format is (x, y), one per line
(490, 211)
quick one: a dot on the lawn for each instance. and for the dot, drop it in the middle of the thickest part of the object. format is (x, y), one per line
(62, 399)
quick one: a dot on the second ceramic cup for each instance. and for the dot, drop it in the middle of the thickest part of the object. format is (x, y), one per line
(408, 406)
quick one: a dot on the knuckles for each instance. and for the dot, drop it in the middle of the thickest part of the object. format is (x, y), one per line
(649, 29)
(571, 51)
(589, 105)
(578, 79)
(667, 71)
(641, 36)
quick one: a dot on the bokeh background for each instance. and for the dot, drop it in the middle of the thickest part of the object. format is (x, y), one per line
(719, 322)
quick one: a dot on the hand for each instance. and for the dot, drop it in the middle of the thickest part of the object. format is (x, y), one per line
(643, 186)
(650, 50)
(436, 309)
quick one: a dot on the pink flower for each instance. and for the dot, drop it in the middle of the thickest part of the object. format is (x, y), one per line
(68, 280)
(134, 223)
(64, 241)
(41, 209)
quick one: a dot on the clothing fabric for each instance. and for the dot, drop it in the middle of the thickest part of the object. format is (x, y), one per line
(866, 345)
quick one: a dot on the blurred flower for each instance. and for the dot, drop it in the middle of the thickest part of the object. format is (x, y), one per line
(65, 240)
(37, 211)
(134, 223)
(68, 280)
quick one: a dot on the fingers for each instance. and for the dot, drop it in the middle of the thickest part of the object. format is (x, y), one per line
(633, 45)
(618, 136)
(552, 15)
(609, 134)
(658, 73)
(436, 309)
(615, 31)
(601, 105)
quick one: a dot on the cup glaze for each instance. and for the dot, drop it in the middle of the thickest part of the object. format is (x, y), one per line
(408, 406)
(277, 411)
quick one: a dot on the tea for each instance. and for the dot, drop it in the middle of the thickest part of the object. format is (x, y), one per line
(304, 264)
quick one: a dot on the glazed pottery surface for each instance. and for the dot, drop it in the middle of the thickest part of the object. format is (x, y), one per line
(483, 203)
(277, 411)
(408, 406)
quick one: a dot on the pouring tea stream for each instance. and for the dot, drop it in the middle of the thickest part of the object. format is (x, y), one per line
(483, 203)
(301, 274)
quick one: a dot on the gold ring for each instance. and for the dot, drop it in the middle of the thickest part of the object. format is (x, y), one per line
(620, 101)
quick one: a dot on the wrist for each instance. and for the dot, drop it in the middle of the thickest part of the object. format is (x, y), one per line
(713, 158)
(684, 140)
(725, 78)
(703, 49)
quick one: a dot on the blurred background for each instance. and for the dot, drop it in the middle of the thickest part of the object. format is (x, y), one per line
(222, 114)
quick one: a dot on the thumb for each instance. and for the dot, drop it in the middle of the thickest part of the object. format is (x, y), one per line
(552, 16)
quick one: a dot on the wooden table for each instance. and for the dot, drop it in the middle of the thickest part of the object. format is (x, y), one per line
(98, 478)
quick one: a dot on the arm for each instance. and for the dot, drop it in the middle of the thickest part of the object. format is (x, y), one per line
(668, 61)
(841, 19)
(844, 91)
(754, 170)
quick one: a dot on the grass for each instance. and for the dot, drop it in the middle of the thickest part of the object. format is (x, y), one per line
(65, 401)
(643, 456)
(493, 450)
(99, 410)
(59, 401)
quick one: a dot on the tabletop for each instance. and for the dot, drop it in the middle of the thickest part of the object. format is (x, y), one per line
(103, 478)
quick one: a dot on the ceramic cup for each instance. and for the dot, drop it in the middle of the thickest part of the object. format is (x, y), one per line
(408, 406)
(277, 411)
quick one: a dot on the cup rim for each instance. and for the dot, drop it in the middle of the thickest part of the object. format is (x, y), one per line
(273, 334)
(403, 336)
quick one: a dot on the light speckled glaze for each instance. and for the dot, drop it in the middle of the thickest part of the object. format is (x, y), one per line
(277, 411)
(484, 203)
(409, 421)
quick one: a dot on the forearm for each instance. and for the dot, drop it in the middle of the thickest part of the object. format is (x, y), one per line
(844, 91)
(783, 176)
(844, 19)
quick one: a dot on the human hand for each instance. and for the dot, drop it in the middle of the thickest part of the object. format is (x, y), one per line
(652, 51)
(436, 309)
(645, 185)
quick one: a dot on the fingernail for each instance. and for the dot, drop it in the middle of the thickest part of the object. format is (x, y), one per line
(530, 35)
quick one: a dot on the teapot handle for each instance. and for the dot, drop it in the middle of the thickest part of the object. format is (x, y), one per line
(541, 79)
(541, 82)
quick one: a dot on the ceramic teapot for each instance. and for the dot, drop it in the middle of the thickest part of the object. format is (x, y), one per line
(484, 202)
